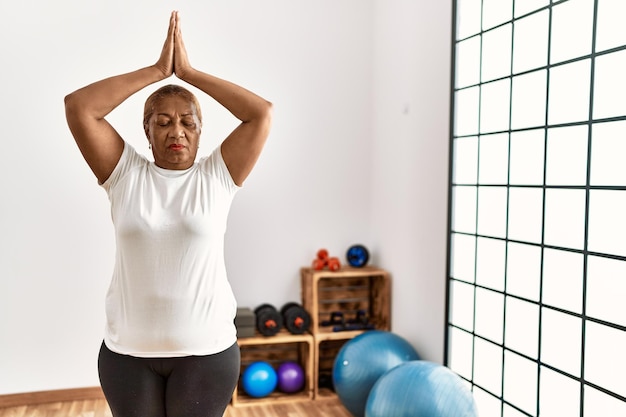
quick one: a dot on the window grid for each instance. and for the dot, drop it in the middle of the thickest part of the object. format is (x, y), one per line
(587, 187)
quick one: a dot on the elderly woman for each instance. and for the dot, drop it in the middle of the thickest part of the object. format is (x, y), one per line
(170, 346)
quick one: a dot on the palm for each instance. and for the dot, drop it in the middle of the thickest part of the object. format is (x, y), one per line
(166, 61)
(181, 61)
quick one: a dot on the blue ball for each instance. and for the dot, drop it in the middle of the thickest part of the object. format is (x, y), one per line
(259, 379)
(420, 389)
(364, 359)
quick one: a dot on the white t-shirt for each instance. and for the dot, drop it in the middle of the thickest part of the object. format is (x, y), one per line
(169, 295)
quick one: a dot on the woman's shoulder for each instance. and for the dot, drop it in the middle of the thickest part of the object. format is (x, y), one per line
(213, 165)
(128, 162)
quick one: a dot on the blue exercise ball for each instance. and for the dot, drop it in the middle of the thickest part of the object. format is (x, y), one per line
(420, 389)
(364, 359)
(259, 379)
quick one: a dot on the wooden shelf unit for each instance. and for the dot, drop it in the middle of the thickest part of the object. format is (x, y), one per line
(275, 350)
(326, 351)
(347, 291)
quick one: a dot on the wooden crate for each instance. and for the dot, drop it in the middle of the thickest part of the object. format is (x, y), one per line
(275, 350)
(326, 351)
(348, 291)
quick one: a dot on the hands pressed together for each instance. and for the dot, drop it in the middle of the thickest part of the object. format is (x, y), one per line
(173, 59)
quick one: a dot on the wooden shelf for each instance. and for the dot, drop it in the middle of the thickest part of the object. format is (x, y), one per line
(348, 290)
(346, 271)
(282, 336)
(276, 349)
(330, 335)
(243, 400)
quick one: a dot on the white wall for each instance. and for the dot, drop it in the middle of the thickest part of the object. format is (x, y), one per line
(410, 163)
(357, 153)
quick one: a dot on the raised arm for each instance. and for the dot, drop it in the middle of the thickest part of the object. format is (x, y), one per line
(242, 147)
(86, 108)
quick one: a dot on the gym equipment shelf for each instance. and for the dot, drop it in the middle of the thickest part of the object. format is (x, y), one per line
(347, 292)
(276, 349)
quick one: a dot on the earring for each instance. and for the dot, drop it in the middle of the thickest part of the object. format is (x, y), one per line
(149, 145)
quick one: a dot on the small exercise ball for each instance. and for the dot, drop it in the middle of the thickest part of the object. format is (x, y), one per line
(364, 359)
(259, 379)
(290, 377)
(420, 389)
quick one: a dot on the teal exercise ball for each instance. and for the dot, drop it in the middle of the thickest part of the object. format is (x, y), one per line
(420, 389)
(364, 359)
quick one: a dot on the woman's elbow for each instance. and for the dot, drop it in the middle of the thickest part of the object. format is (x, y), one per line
(70, 102)
(268, 112)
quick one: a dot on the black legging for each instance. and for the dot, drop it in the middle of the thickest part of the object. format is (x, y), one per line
(190, 386)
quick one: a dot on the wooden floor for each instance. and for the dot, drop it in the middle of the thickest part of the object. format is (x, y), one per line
(99, 408)
(321, 408)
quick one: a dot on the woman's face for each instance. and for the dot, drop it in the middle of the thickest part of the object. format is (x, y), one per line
(174, 133)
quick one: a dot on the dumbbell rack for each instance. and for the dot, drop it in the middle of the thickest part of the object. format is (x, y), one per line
(347, 290)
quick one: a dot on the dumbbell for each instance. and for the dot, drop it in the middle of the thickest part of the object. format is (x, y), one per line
(268, 320)
(295, 318)
(323, 260)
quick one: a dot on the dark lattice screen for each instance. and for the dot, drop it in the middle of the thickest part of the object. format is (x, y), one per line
(537, 264)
